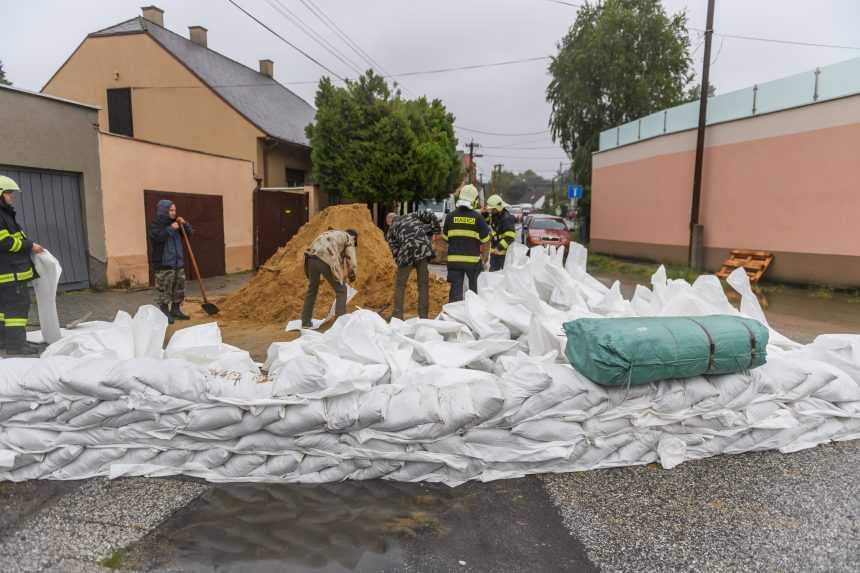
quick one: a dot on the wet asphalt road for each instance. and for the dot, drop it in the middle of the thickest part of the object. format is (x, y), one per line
(753, 512)
(364, 526)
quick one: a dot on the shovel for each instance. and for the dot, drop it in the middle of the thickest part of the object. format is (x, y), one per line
(208, 307)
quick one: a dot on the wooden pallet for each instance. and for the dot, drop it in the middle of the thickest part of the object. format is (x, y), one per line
(755, 263)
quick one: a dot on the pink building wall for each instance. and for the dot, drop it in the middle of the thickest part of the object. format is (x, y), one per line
(130, 166)
(787, 182)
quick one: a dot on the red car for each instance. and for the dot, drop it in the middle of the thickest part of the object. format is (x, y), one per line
(547, 230)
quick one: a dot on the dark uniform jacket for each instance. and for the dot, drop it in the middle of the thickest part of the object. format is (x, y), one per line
(15, 247)
(504, 227)
(410, 237)
(465, 230)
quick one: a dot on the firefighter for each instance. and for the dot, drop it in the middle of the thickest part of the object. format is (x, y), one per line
(504, 231)
(16, 271)
(467, 233)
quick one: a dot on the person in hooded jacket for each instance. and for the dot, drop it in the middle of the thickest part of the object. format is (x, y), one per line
(167, 257)
(16, 272)
(410, 238)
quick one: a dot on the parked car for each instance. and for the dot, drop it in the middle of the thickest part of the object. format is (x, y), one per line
(527, 219)
(547, 230)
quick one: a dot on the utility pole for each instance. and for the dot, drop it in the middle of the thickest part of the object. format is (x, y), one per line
(472, 156)
(697, 231)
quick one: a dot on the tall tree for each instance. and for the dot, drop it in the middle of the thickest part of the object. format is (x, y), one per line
(3, 80)
(370, 145)
(525, 187)
(621, 60)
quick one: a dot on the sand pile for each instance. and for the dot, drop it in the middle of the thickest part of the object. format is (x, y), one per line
(276, 293)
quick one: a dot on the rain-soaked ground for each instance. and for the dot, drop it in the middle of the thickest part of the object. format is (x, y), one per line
(364, 526)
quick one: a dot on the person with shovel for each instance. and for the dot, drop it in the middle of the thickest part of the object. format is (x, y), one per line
(167, 257)
(331, 255)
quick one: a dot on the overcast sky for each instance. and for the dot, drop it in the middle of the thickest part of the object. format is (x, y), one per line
(413, 35)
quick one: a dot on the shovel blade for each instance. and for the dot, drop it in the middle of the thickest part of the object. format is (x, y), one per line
(210, 308)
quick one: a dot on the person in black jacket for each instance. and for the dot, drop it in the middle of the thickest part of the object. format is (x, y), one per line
(167, 257)
(466, 232)
(16, 271)
(504, 227)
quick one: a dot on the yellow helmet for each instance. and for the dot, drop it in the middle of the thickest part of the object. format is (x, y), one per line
(468, 196)
(8, 184)
(495, 203)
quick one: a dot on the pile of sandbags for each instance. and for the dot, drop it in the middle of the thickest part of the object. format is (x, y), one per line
(483, 392)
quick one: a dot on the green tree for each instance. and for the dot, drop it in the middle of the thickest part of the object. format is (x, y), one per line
(525, 187)
(371, 145)
(694, 92)
(621, 60)
(3, 80)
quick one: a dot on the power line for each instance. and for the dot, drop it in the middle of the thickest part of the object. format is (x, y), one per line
(470, 67)
(279, 7)
(332, 25)
(287, 42)
(502, 134)
(751, 38)
(787, 42)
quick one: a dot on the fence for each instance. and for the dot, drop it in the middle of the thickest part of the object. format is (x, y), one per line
(822, 84)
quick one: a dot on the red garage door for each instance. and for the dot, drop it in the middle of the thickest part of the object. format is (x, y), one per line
(279, 216)
(206, 215)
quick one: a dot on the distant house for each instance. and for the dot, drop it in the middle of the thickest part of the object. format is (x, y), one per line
(166, 101)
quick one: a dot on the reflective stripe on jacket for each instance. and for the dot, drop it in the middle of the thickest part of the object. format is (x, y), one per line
(465, 230)
(504, 231)
(15, 248)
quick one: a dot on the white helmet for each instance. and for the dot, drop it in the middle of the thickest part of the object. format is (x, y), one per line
(495, 203)
(468, 196)
(8, 184)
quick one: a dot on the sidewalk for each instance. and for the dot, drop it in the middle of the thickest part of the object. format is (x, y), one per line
(103, 305)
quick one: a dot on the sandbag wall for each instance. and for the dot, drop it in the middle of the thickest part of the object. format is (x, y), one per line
(481, 393)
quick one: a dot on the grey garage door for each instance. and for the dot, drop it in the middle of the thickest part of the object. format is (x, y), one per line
(50, 211)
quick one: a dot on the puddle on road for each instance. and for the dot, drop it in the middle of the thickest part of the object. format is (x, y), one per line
(350, 526)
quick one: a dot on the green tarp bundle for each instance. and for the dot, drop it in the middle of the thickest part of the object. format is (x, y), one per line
(630, 351)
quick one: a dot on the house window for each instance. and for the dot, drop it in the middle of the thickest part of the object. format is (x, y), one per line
(295, 178)
(119, 112)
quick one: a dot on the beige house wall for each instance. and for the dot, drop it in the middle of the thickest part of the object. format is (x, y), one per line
(129, 167)
(786, 182)
(169, 104)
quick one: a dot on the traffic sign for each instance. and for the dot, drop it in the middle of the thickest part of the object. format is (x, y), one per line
(574, 191)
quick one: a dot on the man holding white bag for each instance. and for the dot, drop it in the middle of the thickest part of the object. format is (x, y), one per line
(16, 272)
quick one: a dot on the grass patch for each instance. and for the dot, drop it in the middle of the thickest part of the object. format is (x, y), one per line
(602, 264)
(114, 561)
(822, 292)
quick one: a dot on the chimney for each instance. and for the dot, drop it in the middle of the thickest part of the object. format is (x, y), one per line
(267, 68)
(197, 34)
(154, 14)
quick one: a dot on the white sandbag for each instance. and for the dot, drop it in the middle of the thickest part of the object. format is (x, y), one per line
(48, 270)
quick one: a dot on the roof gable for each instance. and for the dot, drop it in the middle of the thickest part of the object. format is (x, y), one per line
(267, 104)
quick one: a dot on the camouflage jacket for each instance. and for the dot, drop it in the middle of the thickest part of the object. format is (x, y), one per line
(337, 250)
(410, 237)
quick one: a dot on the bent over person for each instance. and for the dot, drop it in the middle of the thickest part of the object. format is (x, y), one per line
(331, 255)
(466, 232)
(16, 272)
(410, 239)
(168, 259)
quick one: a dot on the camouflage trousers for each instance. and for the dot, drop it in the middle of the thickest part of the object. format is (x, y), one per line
(169, 286)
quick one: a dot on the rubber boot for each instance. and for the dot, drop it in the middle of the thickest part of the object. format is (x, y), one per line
(167, 313)
(25, 349)
(176, 311)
